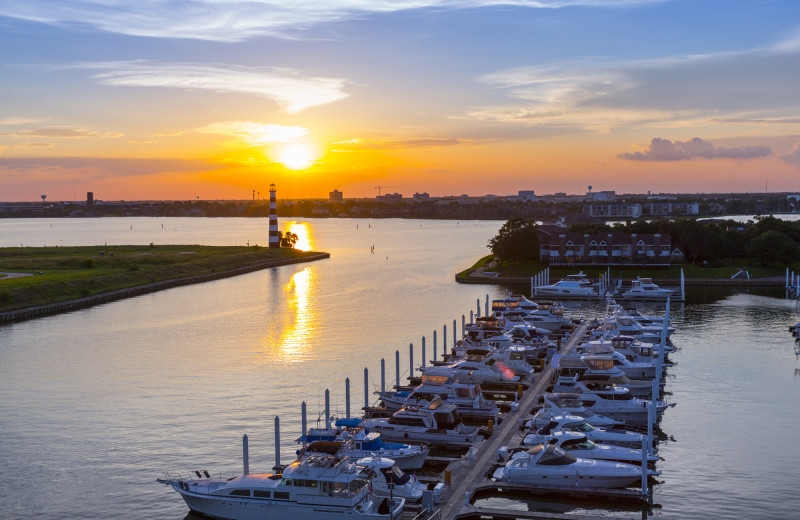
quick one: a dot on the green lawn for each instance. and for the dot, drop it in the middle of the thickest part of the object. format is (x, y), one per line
(728, 269)
(64, 273)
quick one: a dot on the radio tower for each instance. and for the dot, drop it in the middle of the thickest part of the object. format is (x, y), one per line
(274, 240)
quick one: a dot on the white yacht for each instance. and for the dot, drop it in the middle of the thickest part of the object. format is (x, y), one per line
(386, 472)
(436, 423)
(486, 371)
(318, 487)
(440, 382)
(573, 423)
(351, 441)
(579, 445)
(571, 285)
(548, 464)
(617, 403)
(556, 404)
(645, 289)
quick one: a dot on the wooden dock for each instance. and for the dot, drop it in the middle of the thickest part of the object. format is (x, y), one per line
(468, 475)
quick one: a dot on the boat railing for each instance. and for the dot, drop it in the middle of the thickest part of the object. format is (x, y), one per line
(188, 476)
(429, 515)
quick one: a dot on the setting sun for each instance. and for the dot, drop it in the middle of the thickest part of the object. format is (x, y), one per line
(296, 156)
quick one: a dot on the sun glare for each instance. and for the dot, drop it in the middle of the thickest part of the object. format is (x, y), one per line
(296, 156)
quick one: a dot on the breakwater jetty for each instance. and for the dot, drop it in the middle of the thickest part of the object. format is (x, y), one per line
(97, 299)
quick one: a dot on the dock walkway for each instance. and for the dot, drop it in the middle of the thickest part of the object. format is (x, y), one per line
(468, 474)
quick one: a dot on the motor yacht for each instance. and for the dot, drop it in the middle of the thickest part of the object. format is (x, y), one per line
(616, 403)
(387, 472)
(548, 464)
(437, 423)
(485, 371)
(355, 443)
(318, 487)
(579, 445)
(645, 289)
(556, 404)
(573, 423)
(442, 383)
(572, 285)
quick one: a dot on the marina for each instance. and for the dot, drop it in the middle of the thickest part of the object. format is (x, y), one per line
(186, 420)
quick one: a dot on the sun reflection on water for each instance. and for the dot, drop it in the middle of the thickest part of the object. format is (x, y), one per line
(300, 327)
(303, 232)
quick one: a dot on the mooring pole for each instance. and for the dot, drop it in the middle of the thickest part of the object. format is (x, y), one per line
(303, 423)
(383, 375)
(487, 304)
(444, 339)
(454, 334)
(327, 409)
(463, 325)
(397, 367)
(347, 397)
(423, 351)
(366, 388)
(434, 346)
(277, 444)
(245, 456)
(644, 467)
(478, 312)
(410, 360)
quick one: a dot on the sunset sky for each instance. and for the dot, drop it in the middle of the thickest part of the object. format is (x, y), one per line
(180, 99)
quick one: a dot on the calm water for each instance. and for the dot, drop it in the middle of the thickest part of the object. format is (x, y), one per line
(95, 404)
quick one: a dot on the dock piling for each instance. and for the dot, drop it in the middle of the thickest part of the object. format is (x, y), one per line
(423, 351)
(397, 367)
(347, 397)
(366, 387)
(444, 339)
(327, 409)
(463, 325)
(487, 304)
(454, 334)
(434, 345)
(411, 360)
(277, 444)
(303, 423)
(383, 375)
(245, 456)
(644, 467)
(478, 313)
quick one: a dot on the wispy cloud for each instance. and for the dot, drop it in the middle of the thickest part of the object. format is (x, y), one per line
(663, 150)
(793, 157)
(238, 20)
(63, 133)
(100, 167)
(11, 121)
(405, 144)
(256, 134)
(599, 95)
(288, 88)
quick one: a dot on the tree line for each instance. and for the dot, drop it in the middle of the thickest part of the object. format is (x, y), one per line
(766, 239)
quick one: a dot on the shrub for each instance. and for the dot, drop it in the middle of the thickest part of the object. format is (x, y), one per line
(5, 297)
(133, 267)
(89, 263)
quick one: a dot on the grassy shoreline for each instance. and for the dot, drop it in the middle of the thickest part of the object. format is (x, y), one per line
(67, 273)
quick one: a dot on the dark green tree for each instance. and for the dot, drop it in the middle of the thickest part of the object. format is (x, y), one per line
(774, 247)
(288, 239)
(518, 239)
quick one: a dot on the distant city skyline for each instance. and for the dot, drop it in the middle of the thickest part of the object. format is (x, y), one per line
(169, 100)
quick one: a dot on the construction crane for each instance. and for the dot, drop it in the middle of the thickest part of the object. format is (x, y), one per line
(379, 188)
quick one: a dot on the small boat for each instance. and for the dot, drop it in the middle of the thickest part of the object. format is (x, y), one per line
(318, 487)
(556, 404)
(548, 464)
(573, 423)
(617, 403)
(579, 445)
(645, 289)
(571, 285)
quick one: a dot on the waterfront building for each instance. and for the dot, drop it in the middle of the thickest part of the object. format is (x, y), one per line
(601, 196)
(389, 197)
(614, 210)
(528, 195)
(557, 247)
(336, 196)
(421, 196)
(657, 209)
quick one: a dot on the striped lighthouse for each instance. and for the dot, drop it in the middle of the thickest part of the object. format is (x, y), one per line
(274, 239)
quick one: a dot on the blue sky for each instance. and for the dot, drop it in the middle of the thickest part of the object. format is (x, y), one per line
(162, 99)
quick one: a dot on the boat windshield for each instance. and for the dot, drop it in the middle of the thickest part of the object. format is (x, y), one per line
(396, 475)
(578, 444)
(554, 456)
(582, 427)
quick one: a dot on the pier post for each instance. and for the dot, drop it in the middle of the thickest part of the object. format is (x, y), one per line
(327, 409)
(487, 304)
(303, 423)
(644, 467)
(532, 286)
(434, 345)
(410, 360)
(478, 313)
(347, 397)
(547, 277)
(397, 367)
(444, 339)
(471, 317)
(463, 325)
(383, 375)
(651, 420)
(366, 388)
(245, 456)
(277, 444)
(787, 277)
(454, 334)
(423, 351)
(683, 286)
